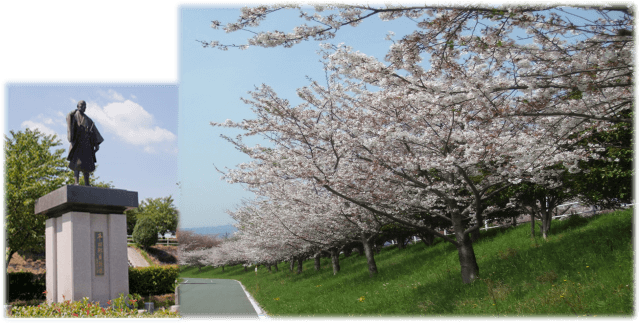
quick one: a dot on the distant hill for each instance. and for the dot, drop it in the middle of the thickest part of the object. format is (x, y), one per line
(211, 230)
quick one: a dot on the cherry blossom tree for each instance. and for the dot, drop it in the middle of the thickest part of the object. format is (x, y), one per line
(548, 60)
(193, 258)
(397, 139)
(396, 152)
(303, 216)
(189, 240)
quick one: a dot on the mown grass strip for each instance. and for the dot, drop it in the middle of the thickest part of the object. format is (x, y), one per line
(585, 268)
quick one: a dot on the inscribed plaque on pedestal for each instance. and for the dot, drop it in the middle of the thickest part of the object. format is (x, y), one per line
(99, 239)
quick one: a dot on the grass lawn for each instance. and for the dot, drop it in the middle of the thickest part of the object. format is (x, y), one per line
(585, 268)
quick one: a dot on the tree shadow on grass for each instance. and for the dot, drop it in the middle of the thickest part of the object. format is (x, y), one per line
(570, 247)
(565, 256)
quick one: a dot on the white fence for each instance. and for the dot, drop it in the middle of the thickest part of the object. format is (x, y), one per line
(161, 241)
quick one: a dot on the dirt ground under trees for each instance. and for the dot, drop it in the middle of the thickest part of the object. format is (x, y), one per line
(35, 263)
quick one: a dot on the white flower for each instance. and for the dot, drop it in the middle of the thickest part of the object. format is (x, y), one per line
(515, 181)
(523, 64)
(390, 35)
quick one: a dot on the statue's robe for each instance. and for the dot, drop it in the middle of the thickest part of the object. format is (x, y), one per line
(83, 137)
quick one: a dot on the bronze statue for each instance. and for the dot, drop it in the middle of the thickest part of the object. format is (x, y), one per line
(84, 140)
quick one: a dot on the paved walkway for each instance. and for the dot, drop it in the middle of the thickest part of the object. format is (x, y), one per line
(135, 259)
(216, 298)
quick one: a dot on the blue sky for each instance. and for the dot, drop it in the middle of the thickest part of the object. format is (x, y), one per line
(213, 81)
(138, 123)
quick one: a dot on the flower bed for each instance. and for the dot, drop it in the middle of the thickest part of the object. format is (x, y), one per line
(123, 306)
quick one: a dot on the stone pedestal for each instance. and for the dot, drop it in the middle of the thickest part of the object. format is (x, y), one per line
(86, 242)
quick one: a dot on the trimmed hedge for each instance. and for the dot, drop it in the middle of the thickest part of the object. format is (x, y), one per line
(26, 286)
(154, 280)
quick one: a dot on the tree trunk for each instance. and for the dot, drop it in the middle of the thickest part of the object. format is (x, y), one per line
(468, 266)
(269, 267)
(368, 251)
(360, 249)
(275, 266)
(514, 221)
(400, 240)
(245, 269)
(547, 205)
(5, 285)
(475, 235)
(7, 281)
(291, 264)
(347, 251)
(427, 238)
(546, 224)
(316, 261)
(222, 268)
(299, 265)
(335, 262)
(533, 223)
(549, 223)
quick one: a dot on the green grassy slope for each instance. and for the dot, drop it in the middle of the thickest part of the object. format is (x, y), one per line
(585, 268)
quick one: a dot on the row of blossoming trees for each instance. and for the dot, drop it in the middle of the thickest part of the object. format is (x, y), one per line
(474, 103)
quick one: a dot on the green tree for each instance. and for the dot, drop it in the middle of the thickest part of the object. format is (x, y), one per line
(33, 168)
(162, 211)
(145, 233)
(132, 219)
(607, 181)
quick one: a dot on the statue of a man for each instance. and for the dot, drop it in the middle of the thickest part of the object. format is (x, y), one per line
(84, 140)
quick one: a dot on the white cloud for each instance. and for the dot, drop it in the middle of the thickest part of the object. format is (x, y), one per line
(149, 149)
(61, 118)
(111, 95)
(131, 123)
(45, 120)
(33, 125)
(55, 125)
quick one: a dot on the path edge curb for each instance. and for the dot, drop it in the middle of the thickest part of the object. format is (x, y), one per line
(261, 313)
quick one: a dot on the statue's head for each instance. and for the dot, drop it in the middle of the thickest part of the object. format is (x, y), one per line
(82, 106)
